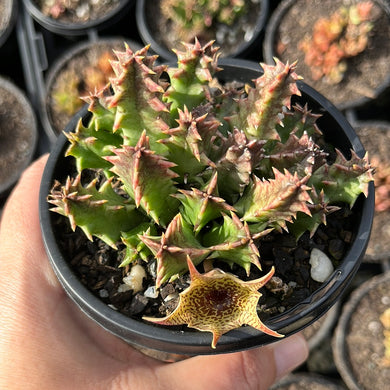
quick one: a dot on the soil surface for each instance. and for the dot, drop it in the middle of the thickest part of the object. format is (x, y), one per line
(16, 136)
(365, 72)
(364, 337)
(96, 265)
(76, 11)
(376, 139)
(5, 14)
(228, 38)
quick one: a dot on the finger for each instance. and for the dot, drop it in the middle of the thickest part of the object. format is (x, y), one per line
(19, 229)
(254, 369)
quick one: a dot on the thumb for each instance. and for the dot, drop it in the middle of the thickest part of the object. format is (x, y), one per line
(254, 369)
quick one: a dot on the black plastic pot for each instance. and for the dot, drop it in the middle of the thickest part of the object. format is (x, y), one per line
(319, 330)
(17, 145)
(337, 131)
(371, 347)
(8, 19)
(269, 51)
(149, 34)
(72, 29)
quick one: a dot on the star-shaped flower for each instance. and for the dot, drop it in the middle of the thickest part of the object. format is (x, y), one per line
(218, 302)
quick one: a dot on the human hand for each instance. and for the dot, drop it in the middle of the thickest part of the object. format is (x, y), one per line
(47, 343)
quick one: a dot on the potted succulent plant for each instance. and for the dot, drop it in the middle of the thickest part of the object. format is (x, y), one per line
(375, 136)
(336, 44)
(70, 18)
(361, 342)
(181, 178)
(235, 25)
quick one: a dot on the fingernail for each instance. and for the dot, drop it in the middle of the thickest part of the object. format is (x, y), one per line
(289, 354)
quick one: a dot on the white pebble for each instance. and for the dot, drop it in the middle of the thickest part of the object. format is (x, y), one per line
(321, 266)
(135, 278)
(103, 293)
(385, 300)
(171, 296)
(123, 288)
(151, 292)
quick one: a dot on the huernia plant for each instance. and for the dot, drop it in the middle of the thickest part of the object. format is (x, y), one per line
(343, 35)
(190, 171)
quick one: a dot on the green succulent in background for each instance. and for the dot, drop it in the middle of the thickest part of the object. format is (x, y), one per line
(194, 18)
(195, 170)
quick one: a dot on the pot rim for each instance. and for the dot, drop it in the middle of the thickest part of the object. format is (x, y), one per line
(195, 342)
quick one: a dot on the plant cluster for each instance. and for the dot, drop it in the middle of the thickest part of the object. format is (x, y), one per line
(76, 10)
(186, 169)
(343, 35)
(194, 18)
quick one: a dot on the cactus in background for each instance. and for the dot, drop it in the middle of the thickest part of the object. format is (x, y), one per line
(194, 18)
(188, 170)
(343, 35)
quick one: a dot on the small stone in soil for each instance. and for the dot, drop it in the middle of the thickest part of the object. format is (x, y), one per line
(167, 290)
(138, 304)
(151, 292)
(121, 297)
(321, 265)
(336, 248)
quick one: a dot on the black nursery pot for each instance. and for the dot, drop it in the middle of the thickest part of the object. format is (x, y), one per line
(8, 19)
(74, 29)
(337, 131)
(150, 35)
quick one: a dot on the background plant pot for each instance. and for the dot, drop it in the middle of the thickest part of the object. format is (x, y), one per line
(320, 329)
(306, 382)
(77, 61)
(358, 341)
(375, 136)
(8, 14)
(340, 134)
(18, 134)
(353, 90)
(148, 17)
(68, 28)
